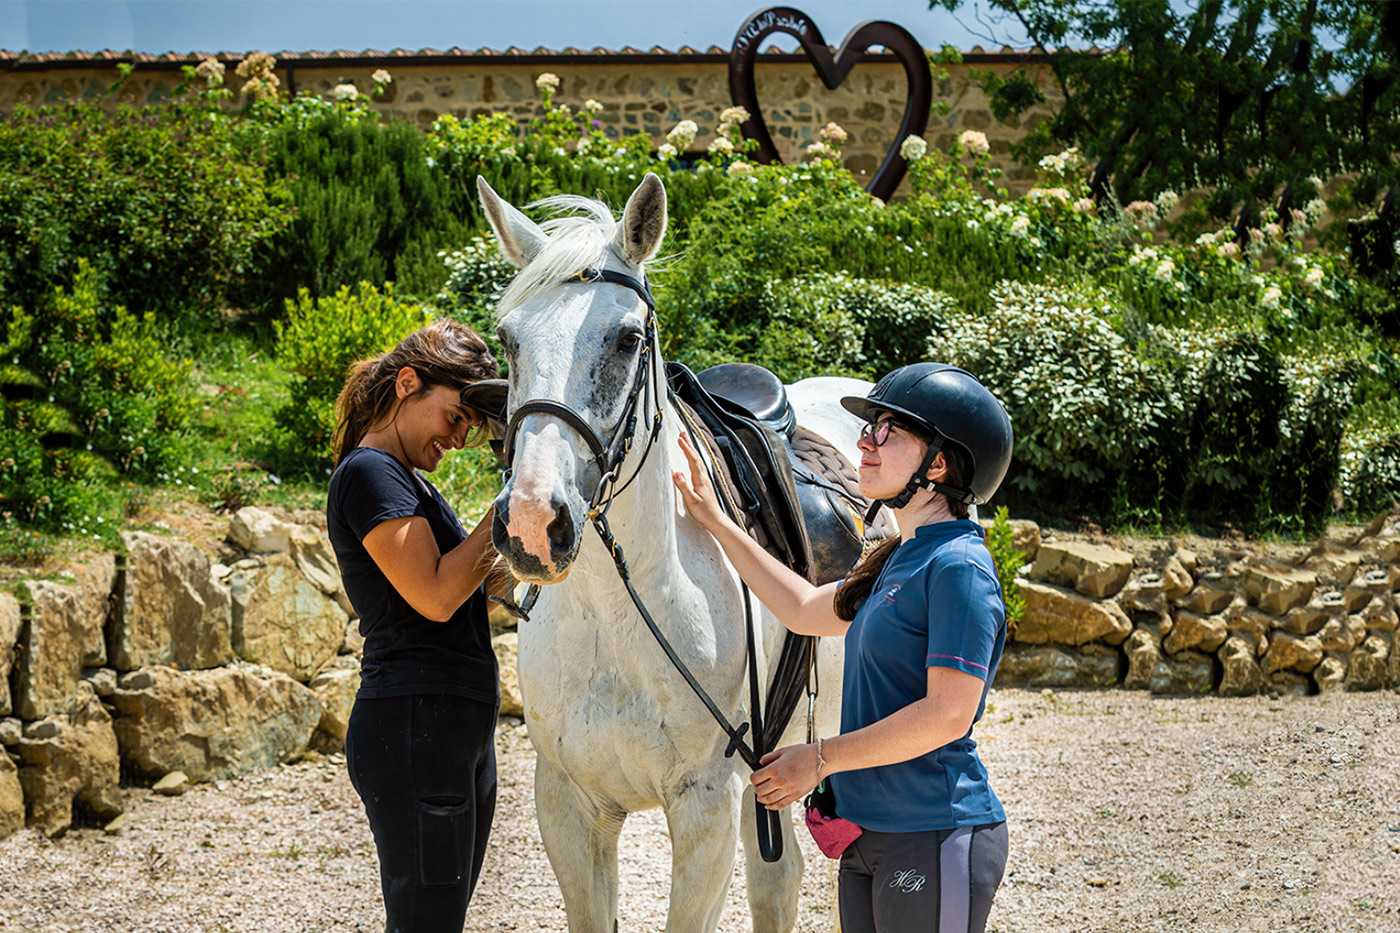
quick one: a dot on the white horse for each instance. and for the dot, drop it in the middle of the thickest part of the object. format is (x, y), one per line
(616, 728)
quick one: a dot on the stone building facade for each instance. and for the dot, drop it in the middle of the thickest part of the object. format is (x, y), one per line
(641, 91)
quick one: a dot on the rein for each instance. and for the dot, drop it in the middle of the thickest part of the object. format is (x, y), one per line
(609, 458)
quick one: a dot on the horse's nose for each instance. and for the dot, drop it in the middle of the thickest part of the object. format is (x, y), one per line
(561, 531)
(537, 534)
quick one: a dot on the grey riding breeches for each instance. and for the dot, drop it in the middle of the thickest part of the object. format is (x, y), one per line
(941, 881)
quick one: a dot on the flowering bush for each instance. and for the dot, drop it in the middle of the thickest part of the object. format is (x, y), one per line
(477, 276)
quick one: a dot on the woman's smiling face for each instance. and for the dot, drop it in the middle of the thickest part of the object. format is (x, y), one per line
(432, 422)
(885, 467)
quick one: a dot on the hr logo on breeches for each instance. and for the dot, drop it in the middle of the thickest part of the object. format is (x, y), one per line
(907, 881)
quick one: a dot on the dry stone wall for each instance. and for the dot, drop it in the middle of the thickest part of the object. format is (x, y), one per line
(169, 665)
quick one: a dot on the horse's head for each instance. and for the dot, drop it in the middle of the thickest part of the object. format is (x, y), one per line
(575, 350)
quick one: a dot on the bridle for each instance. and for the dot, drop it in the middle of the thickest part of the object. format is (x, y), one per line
(646, 387)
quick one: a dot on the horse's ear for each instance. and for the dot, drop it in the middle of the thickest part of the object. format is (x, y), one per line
(520, 237)
(643, 221)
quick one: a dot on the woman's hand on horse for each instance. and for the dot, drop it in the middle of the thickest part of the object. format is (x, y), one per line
(788, 774)
(697, 492)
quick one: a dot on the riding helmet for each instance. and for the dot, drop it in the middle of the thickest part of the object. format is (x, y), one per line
(947, 404)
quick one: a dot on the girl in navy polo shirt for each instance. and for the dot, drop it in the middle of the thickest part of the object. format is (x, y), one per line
(924, 627)
(420, 747)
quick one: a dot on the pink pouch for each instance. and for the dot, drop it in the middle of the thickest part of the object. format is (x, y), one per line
(831, 833)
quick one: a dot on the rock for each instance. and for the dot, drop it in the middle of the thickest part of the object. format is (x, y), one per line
(1043, 666)
(1342, 633)
(10, 731)
(507, 646)
(55, 641)
(103, 680)
(312, 552)
(11, 798)
(1144, 593)
(1292, 653)
(172, 785)
(353, 642)
(1386, 546)
(1188, 560)
(1060, 616)
(1242, 675)
(212, 724)
(254, 530)
(1188, 672)
(1144, 651)
(1304, 620)
(1380, 615)
(1355, 598)
(171, 610)
(114, 827)
(10, 623)
(1025, 536)
(1191, 631)
(1176, 579)
(1336, 563)
(1289, 684)
(1092, 569)
(1242, 618)
(284, 621)
(1210, 595)
(70, 760)
(1330, 673)
(1277, 590)
(335, 687)
(1369, 663)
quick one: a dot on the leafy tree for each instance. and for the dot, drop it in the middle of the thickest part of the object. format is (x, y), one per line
(1245, 100)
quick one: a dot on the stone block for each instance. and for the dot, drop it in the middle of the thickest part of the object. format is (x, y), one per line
(1144, 650)
(1093, 569)
(1289, 684)
(1342, 633)
(1195, 632)
(1211, 594)
(1176, 579)
(1331, 672)
(283, 620)
(1189, 672)
(70, 760)
(11, 623)
(1336, 563)
(312, 552)
(1025, 536)
(1241, 675)
(254, 530)
(1370, 663)
(1056, 666)
(335, 686)
(1276, 590)
(54, 644)
(1292, 653)
(171, 610)
(94, 581)
(212, 724)
(1144, 593)
(1380, 614)
(1060, 616)
(507, 648)
(11, 797)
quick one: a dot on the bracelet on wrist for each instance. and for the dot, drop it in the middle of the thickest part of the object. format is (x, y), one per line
(821, 762)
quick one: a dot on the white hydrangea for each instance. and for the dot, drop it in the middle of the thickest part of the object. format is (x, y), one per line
(913, 148)
(547, 82)
(1021, 225)
(591, 106)
(381, 76)
(683, 134)
(1164, 270)
(666, 152)
(975, 142)
(739, 169)
(1166, 201)
(722, 145)
(1315, 276)
(1272, 297)
(733, 115)
(344, 92)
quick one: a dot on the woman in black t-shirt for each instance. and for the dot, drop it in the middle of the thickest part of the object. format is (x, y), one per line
(420, 747)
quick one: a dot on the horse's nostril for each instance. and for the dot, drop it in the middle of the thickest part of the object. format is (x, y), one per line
(561, 531)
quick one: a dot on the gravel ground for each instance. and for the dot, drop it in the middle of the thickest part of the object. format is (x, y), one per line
(1128, 813)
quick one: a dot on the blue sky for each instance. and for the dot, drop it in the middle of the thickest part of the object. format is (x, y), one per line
(303, 25)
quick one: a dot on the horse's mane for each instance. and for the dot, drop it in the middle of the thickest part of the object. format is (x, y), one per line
(580, 234)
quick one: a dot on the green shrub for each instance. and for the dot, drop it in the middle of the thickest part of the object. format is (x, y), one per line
(1007, 559)
(477, 276)
(1370, 467)
(317, 343)
(163, 203)
(91, 394)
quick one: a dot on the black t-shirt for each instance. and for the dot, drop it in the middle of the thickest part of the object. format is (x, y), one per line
(405, 653)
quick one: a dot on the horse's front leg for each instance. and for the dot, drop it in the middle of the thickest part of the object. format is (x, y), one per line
(580, 838)
(702, 815)
(772, 886)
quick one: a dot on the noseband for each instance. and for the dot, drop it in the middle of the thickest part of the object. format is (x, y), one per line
(610, 456)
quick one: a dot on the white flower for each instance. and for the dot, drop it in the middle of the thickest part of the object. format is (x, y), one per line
(211, 72)
(1021, 225)
(733, 115)
(591, 106)
(1084, 206)
(381, 76)
(1314, 181)
(682, 134)
(975, 142)
(344, 92)
(1054, 163)
(833, 133)
(1206, 239)
(1164, 270)
(722, 145)
(973, 225)
(549, 83)
(1048, 194)
(913, 148)
(820, 150)
(1272, 230)
(1315, 276)
(1141, 209)
(739, 169)
(666, 152)
(1230, 250)
(1166, 201)
(1271, 297)
(1314, 209)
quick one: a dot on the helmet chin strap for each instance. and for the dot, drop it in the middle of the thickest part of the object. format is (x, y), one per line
(917, 482)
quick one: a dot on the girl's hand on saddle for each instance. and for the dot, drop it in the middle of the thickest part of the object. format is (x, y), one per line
(697, 492)
(788, 774)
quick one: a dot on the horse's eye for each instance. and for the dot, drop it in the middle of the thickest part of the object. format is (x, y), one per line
(630, 341)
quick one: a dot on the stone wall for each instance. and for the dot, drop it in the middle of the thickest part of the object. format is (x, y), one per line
(1232, 619)
(643, 93)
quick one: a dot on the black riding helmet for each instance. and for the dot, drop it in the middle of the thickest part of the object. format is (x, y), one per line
(946, 404)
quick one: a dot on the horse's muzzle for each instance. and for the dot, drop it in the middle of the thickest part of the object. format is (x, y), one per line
(538, 539)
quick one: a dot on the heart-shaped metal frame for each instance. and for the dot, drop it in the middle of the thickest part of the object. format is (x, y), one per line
(833, 70)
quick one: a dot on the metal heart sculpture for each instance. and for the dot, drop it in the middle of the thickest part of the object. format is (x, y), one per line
(833, 70)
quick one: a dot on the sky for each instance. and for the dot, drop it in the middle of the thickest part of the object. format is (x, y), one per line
(185, 26)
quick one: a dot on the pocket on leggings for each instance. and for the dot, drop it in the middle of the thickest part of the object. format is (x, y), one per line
(444, 840)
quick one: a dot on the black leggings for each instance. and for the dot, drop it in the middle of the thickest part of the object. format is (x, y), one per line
(941, 881)
(425, 767)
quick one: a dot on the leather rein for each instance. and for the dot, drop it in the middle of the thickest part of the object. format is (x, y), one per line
(646, 386)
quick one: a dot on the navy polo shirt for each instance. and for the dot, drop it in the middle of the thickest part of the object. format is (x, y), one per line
(937, 603)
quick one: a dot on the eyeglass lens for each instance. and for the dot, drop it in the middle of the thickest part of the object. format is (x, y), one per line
(877, 431)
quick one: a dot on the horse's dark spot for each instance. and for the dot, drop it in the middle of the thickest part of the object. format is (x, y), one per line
(523, 559)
